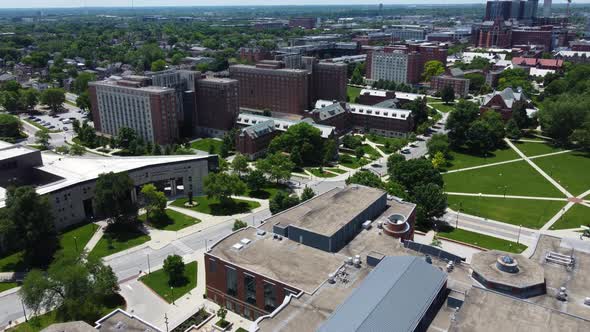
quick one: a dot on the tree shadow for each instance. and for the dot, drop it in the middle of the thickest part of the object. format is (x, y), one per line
(180, 282)
(229, 208)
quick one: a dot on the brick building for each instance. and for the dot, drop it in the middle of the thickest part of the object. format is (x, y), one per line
(491, 34)
(552, 64)
(459, 84)
(254, 54)
(500, 34)
(329, 81)
(403, 63)
(217, 105)
(152, 112)
(372, 97)
(302, 22)
(374, 38)
(502, 102)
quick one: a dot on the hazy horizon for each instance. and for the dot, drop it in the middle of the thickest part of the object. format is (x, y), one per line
(31, 4)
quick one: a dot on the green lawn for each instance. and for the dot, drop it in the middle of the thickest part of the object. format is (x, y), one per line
(171, 221)
(369, 150)
(268, 192)
(575, 217)
(158, 282)
(519, 178)
(388, 144)
(462, 159)
(349, 161)
(443, 107)
(570, 169)
(481, 240)
(82, 235)
(353, 92)
(42, 321)
(535, 149)
(205, 144)
(337, 170)
(324, 174)
(7, 285)
(213, 207)
(113, 242)
(528, 213)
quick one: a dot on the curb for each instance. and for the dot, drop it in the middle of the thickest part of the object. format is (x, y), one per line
(9, 291)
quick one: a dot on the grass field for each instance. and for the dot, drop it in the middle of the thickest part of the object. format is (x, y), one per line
(461, 159)
(268, 192)
(570, 169)
(349, 161)
(531, 149)
(353, 92)
(336, 170)
(443, 107)
(371, 152)
(318, 173)
(67, 243)
(206, 143)
(575, 217)
(112, 243)
(7, 285)
(519, 178)
(528, 213)
(212, 206)
(481, 240)
(171, 221)
(158, 282)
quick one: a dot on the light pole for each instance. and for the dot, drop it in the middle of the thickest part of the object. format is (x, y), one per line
(518, 239)
(76, 242)
(172, 289)
(458, 211)
(148, 261)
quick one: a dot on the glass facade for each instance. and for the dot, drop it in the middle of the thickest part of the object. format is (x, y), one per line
(250, 287)
(270, 297)
(231, 278)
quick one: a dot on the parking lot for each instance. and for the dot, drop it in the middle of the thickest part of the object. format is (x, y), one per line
(59, 122)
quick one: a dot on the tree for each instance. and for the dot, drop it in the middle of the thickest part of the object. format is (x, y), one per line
(54, 98)
(460, 120)
(255, 180)
(32, 224)
(357, 76)
(77, 150)
(114, 199)
(278, 166)
(414, 173)
(396, 189)
(352, 141)
(222, 186)
(9, 100)
(438, 143)
(496, 126)
(480, 138)
(306, 138)
(359, 152)
(432, 68)
(447, 94)
(126, 137)
(238, 224)
(282, 201)
(560, 116)
(29, 98)
(154, 201)
(240, 164)
(512, 130)
(394, 159)
(81, 82)
(515, 78)
(158, 65)
(581, 136)
(431, 202)
(476, 82)
(10, 126)
(174, 268)
(42, 138)
(365, 178)
(83, 101)
(75, 285)
(438, 160)
(419, 110)
(307, 194)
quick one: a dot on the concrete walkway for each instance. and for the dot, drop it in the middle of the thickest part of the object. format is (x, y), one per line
(509, 196)
(557, 216)
(96, 236)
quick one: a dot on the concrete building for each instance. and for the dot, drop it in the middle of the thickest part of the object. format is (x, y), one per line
(408, 32)
(69, 182)
(217, 105)
(272, 87)
(257, 132)
(151, 111)
(403, 63)
(118, 320)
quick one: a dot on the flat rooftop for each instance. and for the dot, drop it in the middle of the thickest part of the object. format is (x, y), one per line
(488, 311)
(327, 213)
(286, 261)
(8, 150)
(529, 273)
(120, 320)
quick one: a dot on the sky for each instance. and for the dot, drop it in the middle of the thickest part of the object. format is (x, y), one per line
(141, 3)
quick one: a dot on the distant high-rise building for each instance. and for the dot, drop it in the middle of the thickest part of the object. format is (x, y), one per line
(511, 10)
(217, 105)
(547, 8)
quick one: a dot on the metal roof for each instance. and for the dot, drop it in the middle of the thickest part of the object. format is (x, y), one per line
(393, 297)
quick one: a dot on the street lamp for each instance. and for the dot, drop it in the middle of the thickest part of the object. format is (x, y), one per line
(148, 261)
(172, 289)
(518, 239)
(458, 211)
(76, 242)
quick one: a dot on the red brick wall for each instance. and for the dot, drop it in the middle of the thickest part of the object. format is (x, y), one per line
(164, 119)
(217, 104)
(329, 82)
(216, 287)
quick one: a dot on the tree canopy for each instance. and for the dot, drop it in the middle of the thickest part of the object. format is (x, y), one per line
(303, 142)
(113, 197)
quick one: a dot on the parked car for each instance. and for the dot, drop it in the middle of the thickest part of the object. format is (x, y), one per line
(65, 128)
(406, 151)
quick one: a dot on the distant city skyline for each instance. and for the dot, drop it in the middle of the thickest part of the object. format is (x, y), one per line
(168, 3)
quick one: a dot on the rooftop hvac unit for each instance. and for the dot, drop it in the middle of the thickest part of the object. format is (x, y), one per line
(380, 224)
(349, 260)
(331, 278)
(367, 224)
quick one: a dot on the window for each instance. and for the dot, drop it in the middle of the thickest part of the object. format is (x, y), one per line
(231, 279)
(212, 265)
(250, 287)
(270, 297)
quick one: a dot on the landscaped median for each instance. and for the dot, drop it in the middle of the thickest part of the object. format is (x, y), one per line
(214, 207)
(481, 240)
(207, 145)
(158, 282)
(118, 240)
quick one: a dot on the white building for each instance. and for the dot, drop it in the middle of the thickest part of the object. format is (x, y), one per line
(390, 66)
